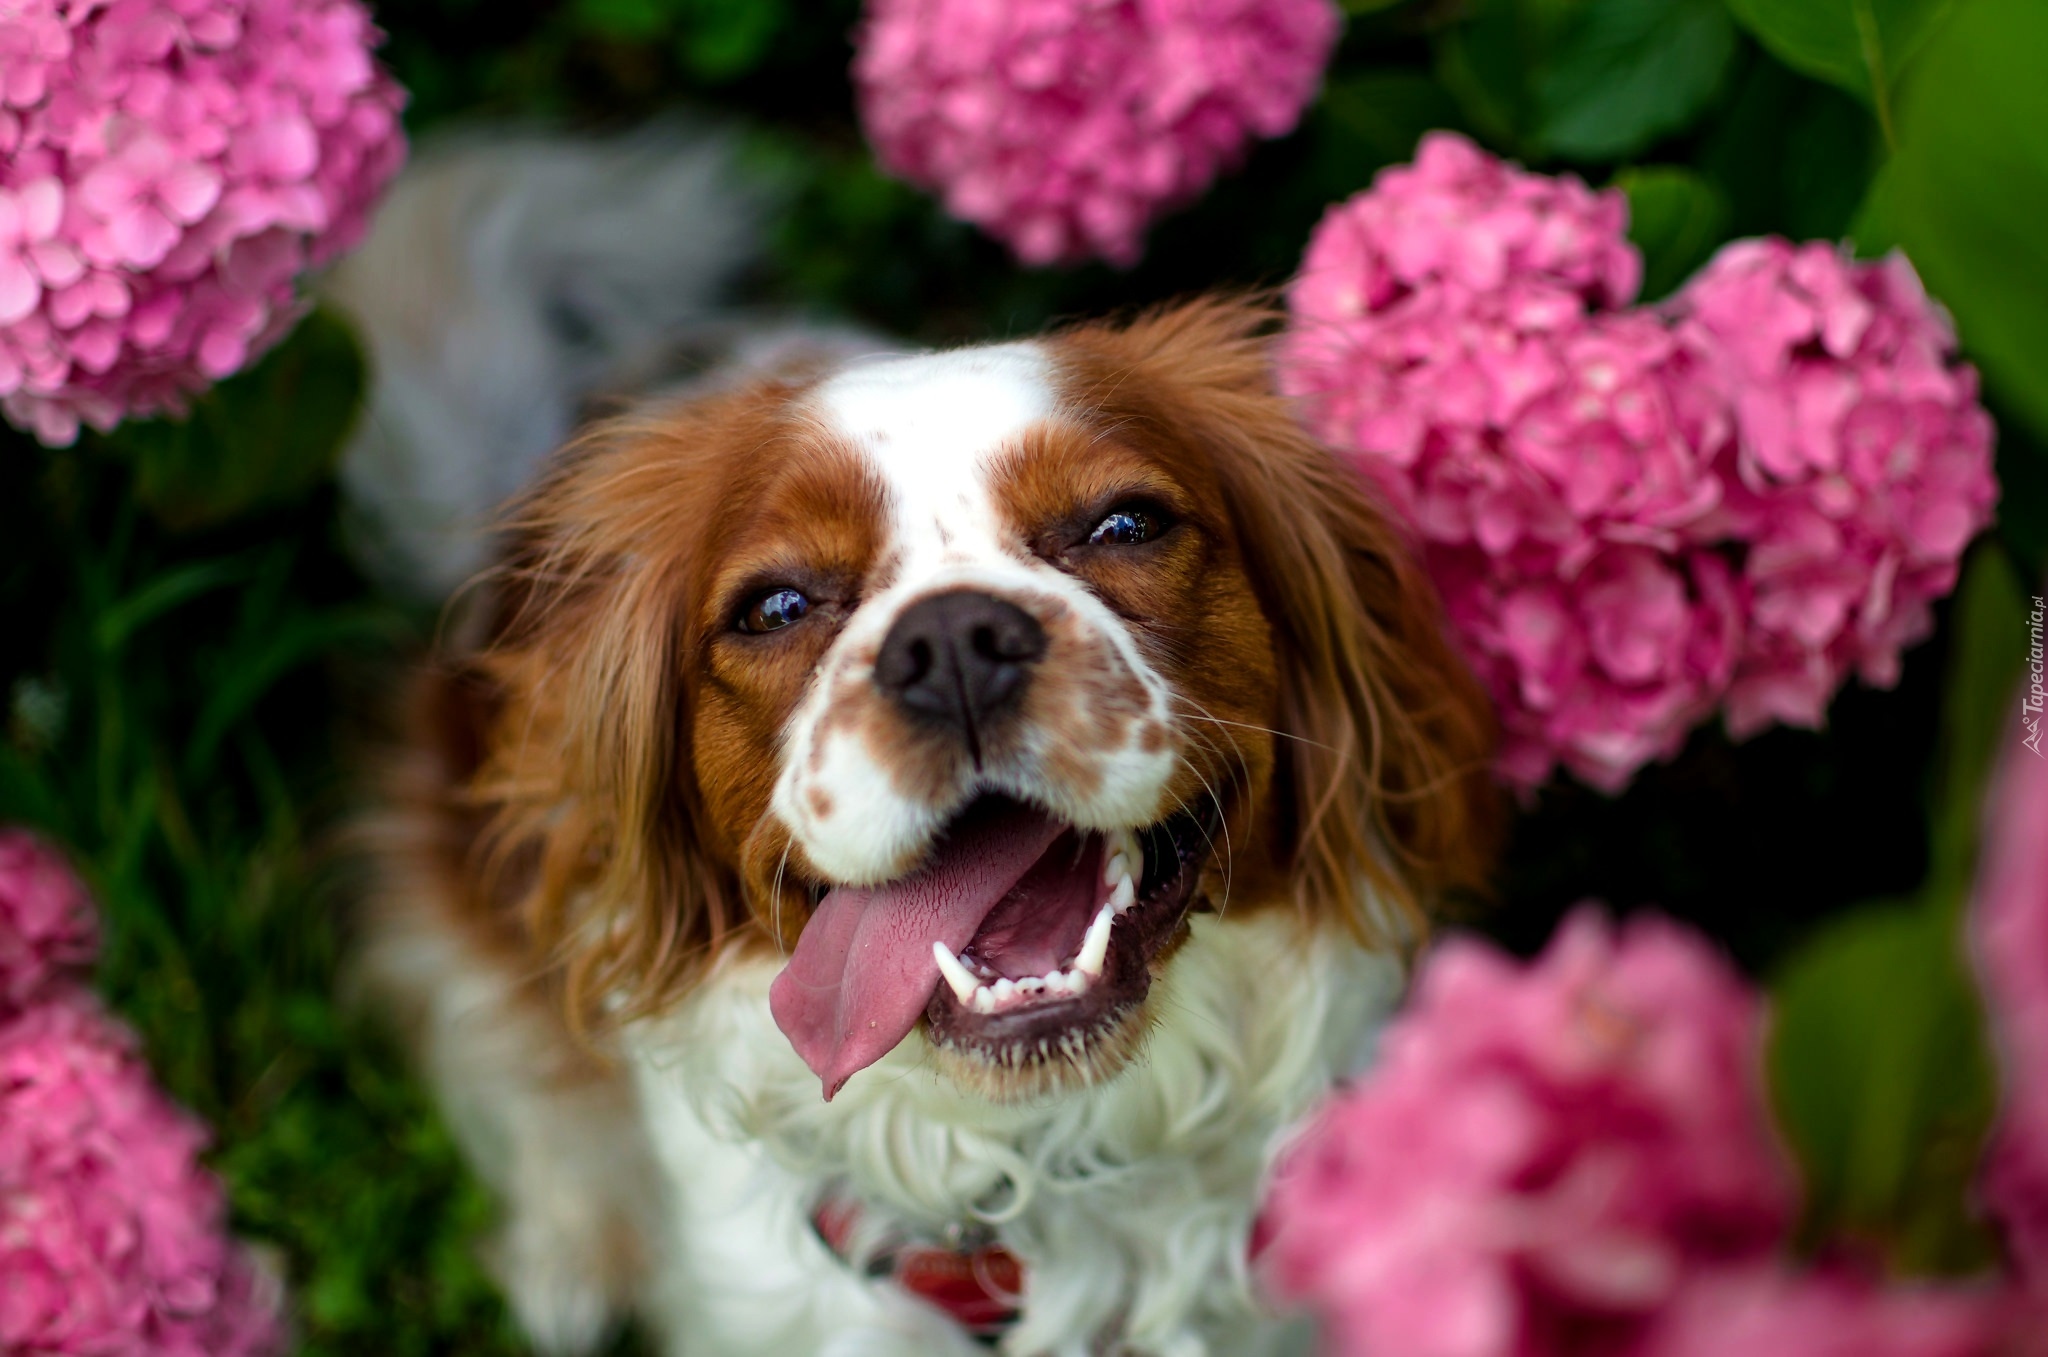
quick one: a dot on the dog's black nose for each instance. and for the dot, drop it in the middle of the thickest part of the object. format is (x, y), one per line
(961, 660)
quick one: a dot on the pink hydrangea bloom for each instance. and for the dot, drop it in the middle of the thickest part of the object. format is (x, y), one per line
(2009, 927)
(1862, 464)
(1541, 1156)
(48, 930)
(111, 1233)
(1767, 1312)
(1553, 461)
(1621, 552)
(167, 167)
(1063, 127)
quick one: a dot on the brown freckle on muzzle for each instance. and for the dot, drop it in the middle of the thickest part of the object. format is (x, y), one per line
(821, 803)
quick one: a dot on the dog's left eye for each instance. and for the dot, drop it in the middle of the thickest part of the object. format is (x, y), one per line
(774, 610)
(1124, 527)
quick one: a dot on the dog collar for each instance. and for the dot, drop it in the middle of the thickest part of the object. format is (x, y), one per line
(978, 1284)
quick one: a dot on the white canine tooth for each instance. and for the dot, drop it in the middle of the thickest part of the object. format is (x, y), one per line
(1117, 869)
(1095, 945)
(1004, 988)
(1120, 899)
(984, 1000)
(957, 975)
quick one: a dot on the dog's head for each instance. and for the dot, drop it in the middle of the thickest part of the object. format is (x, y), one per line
(963, 680)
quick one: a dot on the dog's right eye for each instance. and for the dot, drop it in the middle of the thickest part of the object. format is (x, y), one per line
(774, 610)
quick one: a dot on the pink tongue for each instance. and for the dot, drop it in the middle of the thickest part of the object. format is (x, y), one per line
(863, 969)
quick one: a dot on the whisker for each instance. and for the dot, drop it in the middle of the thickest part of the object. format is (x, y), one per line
(1245, 725)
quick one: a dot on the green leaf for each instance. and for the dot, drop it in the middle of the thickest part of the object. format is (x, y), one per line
(1987, 655)
(262, 437)
(1488, 60)
(625, 20)
(161, 595)
(1370, 119)
(725, 39)
(1861, 45)
(1883, 1085)
(1879, 1066)
(1628, 72)
(1967, 192)
(300, 639)
(1675, 217)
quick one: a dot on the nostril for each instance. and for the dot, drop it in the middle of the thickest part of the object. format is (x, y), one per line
(1008, 641)
(903, 664)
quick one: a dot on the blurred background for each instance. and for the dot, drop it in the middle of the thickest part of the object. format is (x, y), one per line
(204, 617)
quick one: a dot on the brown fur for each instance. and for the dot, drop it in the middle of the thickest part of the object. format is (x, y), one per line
(1387, 738)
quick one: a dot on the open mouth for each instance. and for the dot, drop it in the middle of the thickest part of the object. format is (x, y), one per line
(1019, 940)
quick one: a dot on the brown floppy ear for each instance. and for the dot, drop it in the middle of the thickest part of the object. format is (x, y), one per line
(1387, 780)
(593, 838)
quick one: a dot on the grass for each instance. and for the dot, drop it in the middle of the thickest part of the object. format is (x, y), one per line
(170, 694)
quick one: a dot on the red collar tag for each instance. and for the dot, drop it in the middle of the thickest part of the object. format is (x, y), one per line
(979, 1289)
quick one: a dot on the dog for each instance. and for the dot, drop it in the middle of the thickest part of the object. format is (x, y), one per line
(896, 843)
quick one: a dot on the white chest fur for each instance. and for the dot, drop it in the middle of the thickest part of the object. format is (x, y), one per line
(1130, 1203)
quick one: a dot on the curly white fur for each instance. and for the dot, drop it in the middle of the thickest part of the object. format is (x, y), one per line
(1130, 1203)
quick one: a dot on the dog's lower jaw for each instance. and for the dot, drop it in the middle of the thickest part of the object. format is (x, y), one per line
(1255, 1015)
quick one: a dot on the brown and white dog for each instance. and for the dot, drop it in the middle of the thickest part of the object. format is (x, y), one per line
(1042, 750)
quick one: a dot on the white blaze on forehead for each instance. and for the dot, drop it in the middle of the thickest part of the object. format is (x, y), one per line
(933, 425)
(933, 428)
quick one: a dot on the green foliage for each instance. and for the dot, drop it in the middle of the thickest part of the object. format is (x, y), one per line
(262, 437)
(1883, 1086)
(170, 692)
(1588, 80)
(1967, 192)
(1628, 72)
(1879, 1067)
(1675, 217)
(1861, 45)
(714, 40)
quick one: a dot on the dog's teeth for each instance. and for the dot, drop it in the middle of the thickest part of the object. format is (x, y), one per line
(1077, 981)
(1003, 989)
(984, 1000)
(962, 980)
(1031, 984)
(1095, 945)
(1120, 899)
(1122, 857)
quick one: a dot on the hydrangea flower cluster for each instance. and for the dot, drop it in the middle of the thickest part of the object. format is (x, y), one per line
(112, 1235)
(2009, 921)
(48, 931)
(1637, 516)
(1063, 127)
(167, 167)
(1861, 464)
(1772, 1312)
(1539, 1153)
(1571, 1157)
